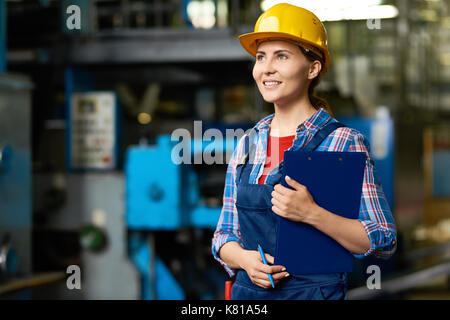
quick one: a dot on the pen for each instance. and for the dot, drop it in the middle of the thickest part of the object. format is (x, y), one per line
(265, 262)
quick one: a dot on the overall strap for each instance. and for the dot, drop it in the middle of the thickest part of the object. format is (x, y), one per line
(249, 150)
(321, 135)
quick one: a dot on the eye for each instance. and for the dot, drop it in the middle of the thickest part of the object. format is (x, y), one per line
(282, 57)
(259, 57)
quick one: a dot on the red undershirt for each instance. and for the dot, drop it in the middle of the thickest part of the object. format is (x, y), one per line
(283, 143)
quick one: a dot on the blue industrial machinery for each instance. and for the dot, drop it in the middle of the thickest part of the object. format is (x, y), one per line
(15, 176)
(164, 195)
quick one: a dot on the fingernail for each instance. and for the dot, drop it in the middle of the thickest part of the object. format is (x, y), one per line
(287, 275)
(287, 177)
(284, 269)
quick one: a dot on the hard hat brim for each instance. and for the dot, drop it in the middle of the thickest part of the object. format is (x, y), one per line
(249, 43)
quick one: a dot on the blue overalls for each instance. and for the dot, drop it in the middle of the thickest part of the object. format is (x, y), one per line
(258, 226)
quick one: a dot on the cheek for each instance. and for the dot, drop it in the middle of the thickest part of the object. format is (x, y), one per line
(296, 76)
(293, 71)
(304, 72)
(256, 72)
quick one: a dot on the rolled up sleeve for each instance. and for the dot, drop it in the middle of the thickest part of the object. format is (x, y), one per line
(228, 225)
(375, 214)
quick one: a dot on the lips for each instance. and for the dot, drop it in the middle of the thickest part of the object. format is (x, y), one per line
(271, 83)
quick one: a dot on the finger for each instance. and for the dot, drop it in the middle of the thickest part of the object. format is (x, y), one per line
(280, 275)
(282, 189)
(264, 269)
(262, 283)
(279, 204)
(294, 184)
(275, 277)
(262, 278)
(279, 196)
(277, 269)
(269, 258)
(277, 211)
(275, 282)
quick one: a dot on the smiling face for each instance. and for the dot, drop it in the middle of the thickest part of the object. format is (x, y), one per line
(282, 72)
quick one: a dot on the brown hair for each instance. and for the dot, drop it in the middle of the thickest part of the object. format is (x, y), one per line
(315, 100)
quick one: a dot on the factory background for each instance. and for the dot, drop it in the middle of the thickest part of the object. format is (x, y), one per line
(91, 92)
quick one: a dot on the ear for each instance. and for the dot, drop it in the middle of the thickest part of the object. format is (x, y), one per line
(314, 69)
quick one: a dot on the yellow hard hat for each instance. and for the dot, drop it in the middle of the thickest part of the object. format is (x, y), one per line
(286, 21)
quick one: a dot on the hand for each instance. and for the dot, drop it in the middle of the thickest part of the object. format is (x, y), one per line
(258, 271)
(296, 205)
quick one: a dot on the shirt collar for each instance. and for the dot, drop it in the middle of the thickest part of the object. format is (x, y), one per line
(313, 123)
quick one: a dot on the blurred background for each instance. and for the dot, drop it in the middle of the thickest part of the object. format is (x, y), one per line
(90, 92)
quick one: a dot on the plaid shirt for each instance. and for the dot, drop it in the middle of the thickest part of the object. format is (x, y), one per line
(375, 214)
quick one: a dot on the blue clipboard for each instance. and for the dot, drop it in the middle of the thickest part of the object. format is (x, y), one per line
(334, 180)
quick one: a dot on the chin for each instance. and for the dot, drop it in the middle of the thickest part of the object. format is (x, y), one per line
(270, 98)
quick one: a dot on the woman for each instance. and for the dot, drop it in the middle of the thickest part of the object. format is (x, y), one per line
(290, 47)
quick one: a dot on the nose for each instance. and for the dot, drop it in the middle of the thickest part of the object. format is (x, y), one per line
(269, 67)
